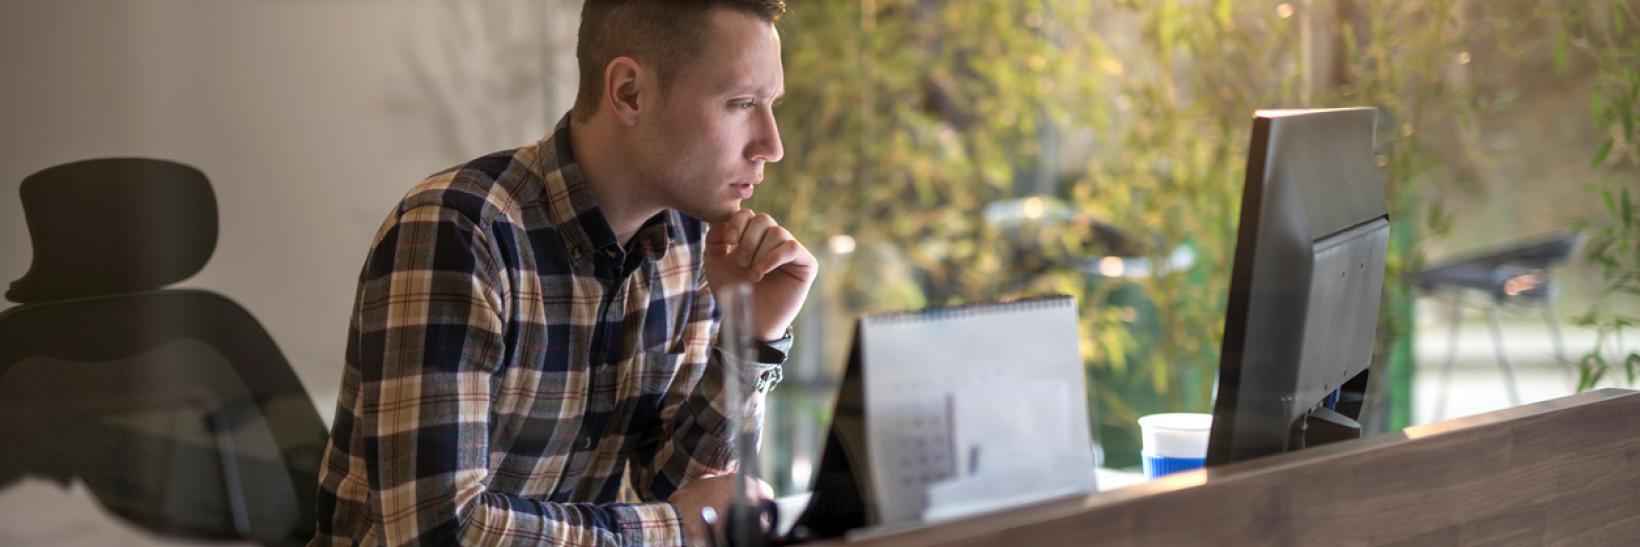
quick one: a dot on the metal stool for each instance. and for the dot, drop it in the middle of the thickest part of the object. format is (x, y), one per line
(1516, 274)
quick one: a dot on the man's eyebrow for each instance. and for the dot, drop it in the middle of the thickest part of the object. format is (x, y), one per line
(753, 90)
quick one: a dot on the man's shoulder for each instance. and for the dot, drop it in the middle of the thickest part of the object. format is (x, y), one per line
(481, 190)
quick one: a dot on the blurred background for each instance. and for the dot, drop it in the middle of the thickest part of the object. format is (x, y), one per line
(939, 152)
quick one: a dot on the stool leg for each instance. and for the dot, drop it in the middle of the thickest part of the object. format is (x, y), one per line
(1553, 319)
(1451, 357)
(1503, 362)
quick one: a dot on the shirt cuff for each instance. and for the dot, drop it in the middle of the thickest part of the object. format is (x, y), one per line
(767, 370)
(650, 524)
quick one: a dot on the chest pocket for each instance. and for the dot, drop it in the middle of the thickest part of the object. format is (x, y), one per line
(664, 323)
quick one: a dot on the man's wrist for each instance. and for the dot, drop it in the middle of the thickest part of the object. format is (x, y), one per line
(775, 350)
(768, 336)
(691, 528)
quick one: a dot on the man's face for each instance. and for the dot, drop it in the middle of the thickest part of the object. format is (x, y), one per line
(715, 130)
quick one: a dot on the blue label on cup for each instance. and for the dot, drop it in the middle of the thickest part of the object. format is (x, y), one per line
(1156, 466)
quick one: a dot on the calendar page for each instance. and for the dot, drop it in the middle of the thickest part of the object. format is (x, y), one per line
(1013, 370)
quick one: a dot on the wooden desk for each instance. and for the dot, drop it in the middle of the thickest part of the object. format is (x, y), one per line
(1560, 472)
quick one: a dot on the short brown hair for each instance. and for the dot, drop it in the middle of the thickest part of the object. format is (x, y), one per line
(663, 34)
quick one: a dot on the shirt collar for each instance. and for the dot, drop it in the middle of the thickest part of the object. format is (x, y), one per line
(574, 211)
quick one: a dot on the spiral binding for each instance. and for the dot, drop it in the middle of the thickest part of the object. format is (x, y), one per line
(967, 310)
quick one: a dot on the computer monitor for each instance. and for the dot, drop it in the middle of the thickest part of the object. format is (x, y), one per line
(1309, 269)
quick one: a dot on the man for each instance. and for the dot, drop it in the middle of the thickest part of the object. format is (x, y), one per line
(536, 327)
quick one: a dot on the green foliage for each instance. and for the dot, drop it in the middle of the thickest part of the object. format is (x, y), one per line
(1171, 173)
(1175, 167)
(1598, 32)
(1406, 58)
(904, 118)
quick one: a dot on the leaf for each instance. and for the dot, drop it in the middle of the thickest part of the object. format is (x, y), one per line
(1115, 350)
(1625, 114)
(1588, 373)
(1628, 210)
(1159, 375)
(1586, 320)
(1600, 155)
(1436, 213)
(1561, 43)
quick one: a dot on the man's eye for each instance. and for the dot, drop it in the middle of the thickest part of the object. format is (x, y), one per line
(744, 105)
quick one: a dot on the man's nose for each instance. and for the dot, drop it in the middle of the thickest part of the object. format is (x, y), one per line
(766, 147)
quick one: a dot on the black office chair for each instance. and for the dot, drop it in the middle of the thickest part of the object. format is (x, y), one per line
(173, 406)
(1514, 274)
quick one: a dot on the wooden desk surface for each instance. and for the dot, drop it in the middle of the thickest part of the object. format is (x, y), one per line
(1559, 472)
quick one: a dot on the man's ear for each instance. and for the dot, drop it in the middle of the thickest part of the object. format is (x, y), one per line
(623, 79)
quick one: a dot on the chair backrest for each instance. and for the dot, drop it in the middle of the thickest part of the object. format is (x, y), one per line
(114, 226)
(175, 407)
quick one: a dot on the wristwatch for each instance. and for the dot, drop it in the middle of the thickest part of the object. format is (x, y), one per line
(771, 360)
(775, 352)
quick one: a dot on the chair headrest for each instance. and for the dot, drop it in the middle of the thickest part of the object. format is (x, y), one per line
(114, 225)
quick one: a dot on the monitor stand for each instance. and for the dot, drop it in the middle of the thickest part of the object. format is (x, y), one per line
(1326, 426)
(1331, 423)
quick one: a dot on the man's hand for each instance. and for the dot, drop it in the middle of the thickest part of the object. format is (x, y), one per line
(750, 247)
(716, 492)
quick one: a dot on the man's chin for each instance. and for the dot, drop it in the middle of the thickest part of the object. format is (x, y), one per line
(715, 214)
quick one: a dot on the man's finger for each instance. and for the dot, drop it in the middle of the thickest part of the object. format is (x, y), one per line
(728, 231)
(785, 253)
(751, 237)
(772, 239)
(721, 236)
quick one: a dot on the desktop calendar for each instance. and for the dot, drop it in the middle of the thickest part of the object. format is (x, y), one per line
(951, 411)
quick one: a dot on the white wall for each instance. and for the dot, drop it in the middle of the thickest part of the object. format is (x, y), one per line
(310, 117)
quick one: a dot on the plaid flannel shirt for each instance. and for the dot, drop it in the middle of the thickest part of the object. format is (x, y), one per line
(509, 366)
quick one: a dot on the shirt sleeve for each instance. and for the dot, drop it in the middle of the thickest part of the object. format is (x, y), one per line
(432, 313)
(695, 438)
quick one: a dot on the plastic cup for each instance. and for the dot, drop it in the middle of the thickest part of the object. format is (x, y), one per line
(1174, 442)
